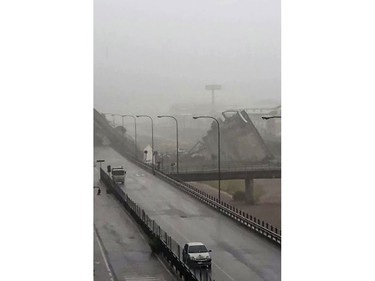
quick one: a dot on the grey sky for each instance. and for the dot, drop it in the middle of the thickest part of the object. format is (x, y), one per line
(152, 54)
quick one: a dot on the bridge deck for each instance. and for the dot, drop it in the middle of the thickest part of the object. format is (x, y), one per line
(229, 175)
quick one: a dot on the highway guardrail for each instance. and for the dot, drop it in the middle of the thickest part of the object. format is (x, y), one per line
(160, 241)
(250, 222)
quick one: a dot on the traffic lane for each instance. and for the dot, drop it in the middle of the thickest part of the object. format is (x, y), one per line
(238, 254)
(127, 251)
(232, 254)
(102, 272)
(110, 156)
(251, 257)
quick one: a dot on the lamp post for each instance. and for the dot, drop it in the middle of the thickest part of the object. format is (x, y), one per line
(135, 133)
(105, 115)
(218, 146)
(122, 120)
(169, 116)
(113, 120)
(270, 117)
(152, 140)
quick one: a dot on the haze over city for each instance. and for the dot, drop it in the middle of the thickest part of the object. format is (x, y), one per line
(152, 55)
(168, 78)
(64, 64)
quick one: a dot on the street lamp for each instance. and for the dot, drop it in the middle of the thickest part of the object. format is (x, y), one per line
(135, 133)
(113, 120)
(105, 115)
(270, 117)
(218, 146)
(122, 120)
(152, 140)
(162, 116)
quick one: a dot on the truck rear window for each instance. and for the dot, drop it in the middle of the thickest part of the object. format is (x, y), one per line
(118, 172)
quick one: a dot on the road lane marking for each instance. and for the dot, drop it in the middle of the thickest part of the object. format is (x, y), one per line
(188, 240)
(145, 175)
(174, 229)
(143, 278)
(140, 233)
(104, 257)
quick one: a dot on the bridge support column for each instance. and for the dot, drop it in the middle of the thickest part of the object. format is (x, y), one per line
(249, 190)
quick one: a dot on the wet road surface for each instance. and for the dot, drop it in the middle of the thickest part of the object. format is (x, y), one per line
(237, 254)
(118, 240)
(102, 272)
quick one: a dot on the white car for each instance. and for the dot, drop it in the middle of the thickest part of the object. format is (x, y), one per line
(196, 254)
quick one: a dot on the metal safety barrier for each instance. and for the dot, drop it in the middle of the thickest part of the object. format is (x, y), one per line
(159, 239)
(250, 222)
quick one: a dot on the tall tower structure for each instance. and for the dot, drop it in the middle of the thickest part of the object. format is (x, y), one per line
(212, 88)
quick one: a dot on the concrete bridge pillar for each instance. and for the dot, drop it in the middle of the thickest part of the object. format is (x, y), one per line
(249, 190)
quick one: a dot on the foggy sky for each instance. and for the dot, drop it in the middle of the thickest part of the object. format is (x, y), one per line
(149, 55)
